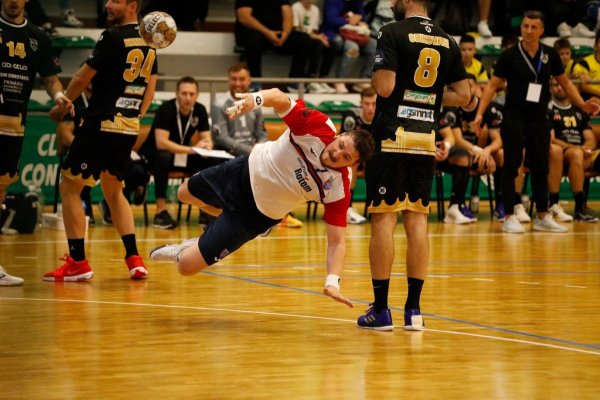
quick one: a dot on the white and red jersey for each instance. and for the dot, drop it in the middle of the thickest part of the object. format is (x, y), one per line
(287, 172)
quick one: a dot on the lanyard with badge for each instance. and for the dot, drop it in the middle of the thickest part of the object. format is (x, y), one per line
(180, 160)
(534, 90)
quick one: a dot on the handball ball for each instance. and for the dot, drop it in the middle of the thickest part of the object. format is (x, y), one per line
(158, 29)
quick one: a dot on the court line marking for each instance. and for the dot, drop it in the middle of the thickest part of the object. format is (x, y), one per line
(216, 309)
(458, 321)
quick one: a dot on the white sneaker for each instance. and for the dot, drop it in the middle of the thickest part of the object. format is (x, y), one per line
(512, 225)
(9, 280)
(454, 216)
(70, 20)
(547, 224)
(521, 213)
(484, 29)
(353, 217)
(315, 88)
(580, 30)
(170, 252)
(564, 30)
(327, 88)
(559, 214)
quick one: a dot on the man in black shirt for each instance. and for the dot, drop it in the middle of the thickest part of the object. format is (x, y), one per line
(527, 69)
(267, 25)
(180, 125)
(417, 68)
(122, 69)
(25, 51)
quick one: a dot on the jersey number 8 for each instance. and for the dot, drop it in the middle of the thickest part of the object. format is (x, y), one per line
(429, 61)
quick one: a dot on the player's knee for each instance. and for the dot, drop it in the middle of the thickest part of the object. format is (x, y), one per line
(183, 193)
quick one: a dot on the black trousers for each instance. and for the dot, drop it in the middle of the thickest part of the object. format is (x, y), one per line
(298, 44)
(533, 136)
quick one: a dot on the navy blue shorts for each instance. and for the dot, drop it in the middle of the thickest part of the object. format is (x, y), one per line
(227, 186)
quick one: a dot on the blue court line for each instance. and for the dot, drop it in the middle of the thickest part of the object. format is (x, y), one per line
(490, 327)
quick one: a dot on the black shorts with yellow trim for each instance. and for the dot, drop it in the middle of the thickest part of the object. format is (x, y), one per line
(10, 151)
(93, 152)
(399, 181)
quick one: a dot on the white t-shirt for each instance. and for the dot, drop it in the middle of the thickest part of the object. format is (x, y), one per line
(287, 172)
(307, 20)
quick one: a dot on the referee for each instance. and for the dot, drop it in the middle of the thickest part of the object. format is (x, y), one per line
(527, 68)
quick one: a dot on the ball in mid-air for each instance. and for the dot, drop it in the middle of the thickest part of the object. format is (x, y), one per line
(158, 29)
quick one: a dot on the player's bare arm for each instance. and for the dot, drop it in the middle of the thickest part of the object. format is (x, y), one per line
(336, 256)
(488, 94)
(268, 98)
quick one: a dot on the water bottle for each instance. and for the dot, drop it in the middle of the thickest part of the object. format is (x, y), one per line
(474, 205)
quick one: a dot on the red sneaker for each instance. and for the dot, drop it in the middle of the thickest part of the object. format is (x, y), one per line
(70, 271)
(137, 269)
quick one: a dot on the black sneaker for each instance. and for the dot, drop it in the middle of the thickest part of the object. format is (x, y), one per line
(105, 212)
(585, 216)
(163, 220)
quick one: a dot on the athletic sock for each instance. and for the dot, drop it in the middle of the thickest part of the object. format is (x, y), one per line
(579, 201)
(380, 289)
(76, 249)
(130, 245)
(553, 198)
(414, 293)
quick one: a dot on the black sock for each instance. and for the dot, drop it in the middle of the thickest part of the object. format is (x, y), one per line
(380, 289)
(579, 201)
(553, 198)
(76, 249)
(414, 293)
(130, 245)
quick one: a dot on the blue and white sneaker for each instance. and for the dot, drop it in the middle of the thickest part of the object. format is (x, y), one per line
(381, 321)
(467, 213)
(499, 212)
(413, 320)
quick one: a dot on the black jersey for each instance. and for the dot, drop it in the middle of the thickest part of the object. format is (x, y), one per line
(520, 70)
(351, 119)
(124, 64)
(24, 52)
(493, 115)
(425, 59)
(465, 118)
(568, 123)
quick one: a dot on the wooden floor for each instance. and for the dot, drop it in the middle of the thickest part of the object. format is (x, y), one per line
(508, 317)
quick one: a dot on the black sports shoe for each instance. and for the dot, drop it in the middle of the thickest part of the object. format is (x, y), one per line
(163, 220)
(585, 216)
(105, 212)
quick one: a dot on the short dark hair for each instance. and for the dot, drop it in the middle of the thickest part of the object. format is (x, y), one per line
(237, 67)
(535, 14)
(368, 92)
(561, 44)
(466, 39)
(186, 79)
(363, 143)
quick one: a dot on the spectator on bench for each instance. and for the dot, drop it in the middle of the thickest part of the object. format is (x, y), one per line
(180, 125)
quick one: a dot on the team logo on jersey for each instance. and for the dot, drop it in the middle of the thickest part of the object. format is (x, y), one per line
(428, 29)
(349, 124)
(124, 102)
(194, 122)
(419, 114)
(327, 184)
(382, 190)
(34, 44)
(545, 59)
(135, 90)
(379, 34)
(419, 97)
(378, 57)
(578, 115)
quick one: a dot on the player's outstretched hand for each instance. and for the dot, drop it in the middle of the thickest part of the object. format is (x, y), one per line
(57, 113)
(334, 293)
(241, 106)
